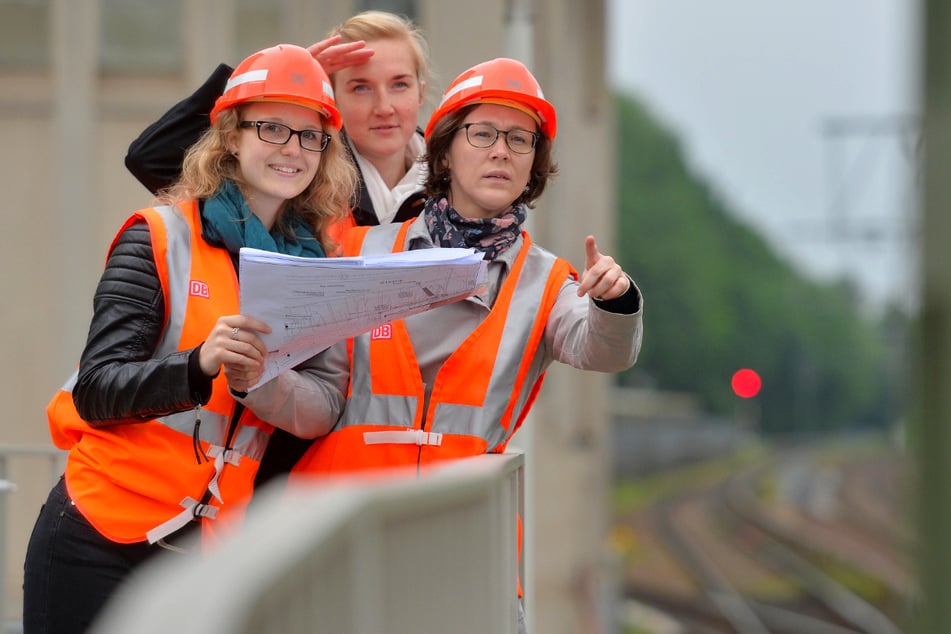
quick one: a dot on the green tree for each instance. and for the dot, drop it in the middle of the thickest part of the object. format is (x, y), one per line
(718, 298)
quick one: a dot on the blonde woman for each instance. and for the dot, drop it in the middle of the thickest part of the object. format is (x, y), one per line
(160, 445)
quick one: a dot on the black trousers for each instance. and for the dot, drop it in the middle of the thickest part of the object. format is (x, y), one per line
(71, 570)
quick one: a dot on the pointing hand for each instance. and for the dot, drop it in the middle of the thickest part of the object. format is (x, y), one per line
(602, 278)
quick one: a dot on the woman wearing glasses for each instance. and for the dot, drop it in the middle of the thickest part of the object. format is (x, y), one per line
(159, 444)
(379, 65)
(467, 372)
(458, 380)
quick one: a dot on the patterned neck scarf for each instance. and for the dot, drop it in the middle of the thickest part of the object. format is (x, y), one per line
(491, 236)
(228, 221)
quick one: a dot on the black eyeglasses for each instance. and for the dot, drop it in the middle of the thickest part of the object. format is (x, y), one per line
(483, 135)
(280, 134)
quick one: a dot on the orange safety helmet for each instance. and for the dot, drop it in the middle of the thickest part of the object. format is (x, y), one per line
(284, 73)
(501, 81)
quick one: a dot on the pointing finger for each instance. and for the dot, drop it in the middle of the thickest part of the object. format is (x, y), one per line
(591, 253)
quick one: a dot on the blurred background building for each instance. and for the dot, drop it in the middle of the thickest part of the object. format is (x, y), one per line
(79, 79)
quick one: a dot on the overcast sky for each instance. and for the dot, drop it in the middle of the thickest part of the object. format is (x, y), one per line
(751, 87)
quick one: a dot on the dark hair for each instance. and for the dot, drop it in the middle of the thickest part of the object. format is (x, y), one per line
(439, 175)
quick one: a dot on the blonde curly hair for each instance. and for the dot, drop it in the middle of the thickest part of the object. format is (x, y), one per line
(208, 163)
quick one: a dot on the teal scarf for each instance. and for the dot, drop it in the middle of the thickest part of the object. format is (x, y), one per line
(228, 221)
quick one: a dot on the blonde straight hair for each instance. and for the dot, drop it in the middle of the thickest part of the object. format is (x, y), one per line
(382, 25)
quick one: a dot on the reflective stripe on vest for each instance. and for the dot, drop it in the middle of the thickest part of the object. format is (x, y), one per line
(485, 387)
(248, 441)
(129, 500)
(178, 238)
(408, 437)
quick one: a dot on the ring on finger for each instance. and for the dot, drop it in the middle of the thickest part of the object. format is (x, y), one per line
(234, 332)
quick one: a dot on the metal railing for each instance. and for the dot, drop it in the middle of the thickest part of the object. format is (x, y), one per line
(54, 460)
(392, 553)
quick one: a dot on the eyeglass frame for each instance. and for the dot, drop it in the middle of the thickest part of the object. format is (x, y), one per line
(291, 132)
(535, 136)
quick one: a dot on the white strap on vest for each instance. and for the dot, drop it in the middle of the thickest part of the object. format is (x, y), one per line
(192, 510)
(230, 456)
(403, 437)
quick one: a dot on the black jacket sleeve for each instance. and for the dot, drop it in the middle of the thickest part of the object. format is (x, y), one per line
(627, 304)
(118, 378)
(155, 157)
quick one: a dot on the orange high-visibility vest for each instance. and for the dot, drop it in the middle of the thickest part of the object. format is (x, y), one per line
(481, 394)
(338, 230)
(143, 480)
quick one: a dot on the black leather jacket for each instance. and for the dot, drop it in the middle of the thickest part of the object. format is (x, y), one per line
(118, 378)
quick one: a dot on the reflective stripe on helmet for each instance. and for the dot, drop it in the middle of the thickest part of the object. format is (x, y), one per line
(472, 82)
(244, 78)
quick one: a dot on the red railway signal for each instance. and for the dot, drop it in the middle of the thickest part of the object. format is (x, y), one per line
(746, 383)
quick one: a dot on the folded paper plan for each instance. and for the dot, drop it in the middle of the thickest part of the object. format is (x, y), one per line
(312, 303)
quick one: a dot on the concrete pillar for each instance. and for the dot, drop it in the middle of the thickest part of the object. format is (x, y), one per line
(75, 41)
(210, 38)
(933, 361)
(520, 44)
(570, 461)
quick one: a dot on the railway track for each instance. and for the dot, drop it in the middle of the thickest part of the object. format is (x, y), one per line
(750, 573)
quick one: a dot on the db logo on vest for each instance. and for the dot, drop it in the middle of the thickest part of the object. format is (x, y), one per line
(197, 288)
(382, 332)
